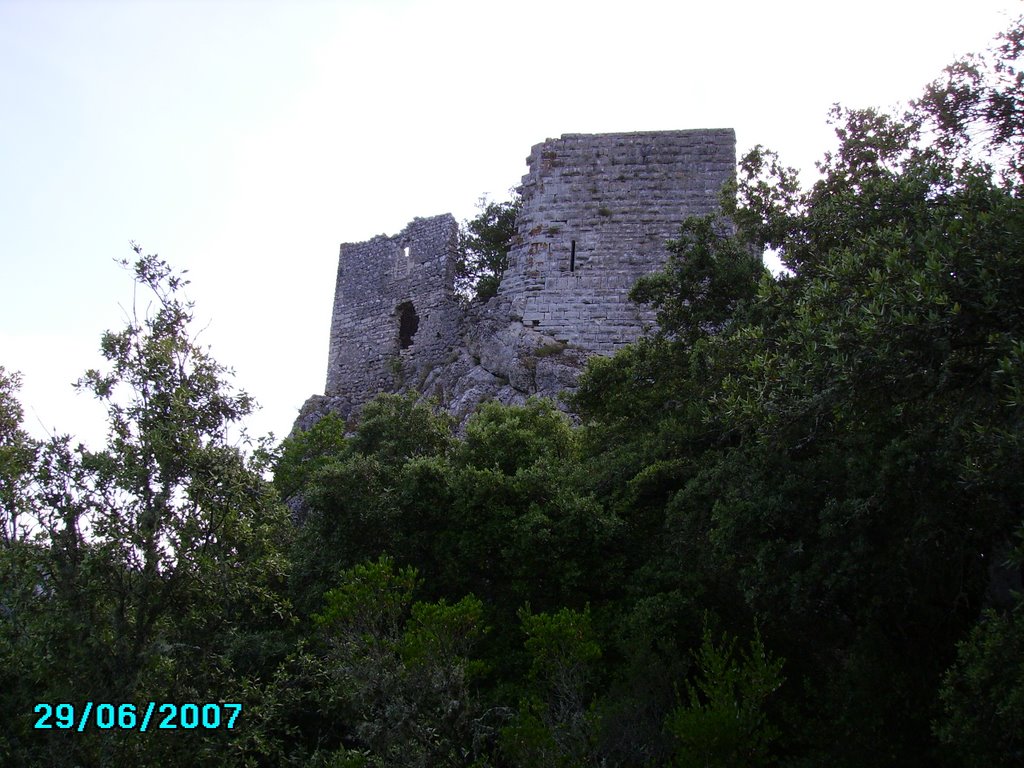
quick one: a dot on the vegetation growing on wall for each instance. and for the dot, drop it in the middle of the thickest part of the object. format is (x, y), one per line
(483, 248)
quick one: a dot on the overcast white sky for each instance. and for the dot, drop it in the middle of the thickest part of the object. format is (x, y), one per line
(244, 140)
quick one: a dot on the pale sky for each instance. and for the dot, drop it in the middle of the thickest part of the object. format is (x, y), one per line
(244, 140)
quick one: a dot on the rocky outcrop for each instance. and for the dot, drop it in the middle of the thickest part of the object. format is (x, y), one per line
(498, 358)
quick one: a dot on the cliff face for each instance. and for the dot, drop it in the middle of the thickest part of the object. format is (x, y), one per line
(597, 212)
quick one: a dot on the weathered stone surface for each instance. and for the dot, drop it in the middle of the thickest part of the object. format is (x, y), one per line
(597, 213)
(378, 283)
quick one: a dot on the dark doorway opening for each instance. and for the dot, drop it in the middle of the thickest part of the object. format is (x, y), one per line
(408, 323)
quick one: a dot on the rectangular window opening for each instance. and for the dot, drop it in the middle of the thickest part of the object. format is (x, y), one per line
(572, 257)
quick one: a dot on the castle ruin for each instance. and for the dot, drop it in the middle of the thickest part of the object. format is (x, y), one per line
(395, 308)
(597, 212)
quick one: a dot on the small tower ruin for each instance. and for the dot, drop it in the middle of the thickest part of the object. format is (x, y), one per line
(395, 309)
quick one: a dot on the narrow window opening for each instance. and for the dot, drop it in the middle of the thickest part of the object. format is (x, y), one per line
(406, 251)
(572, 257)
(408, 323)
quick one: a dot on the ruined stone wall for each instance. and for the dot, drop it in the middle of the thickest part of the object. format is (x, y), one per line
(597, 212)
(395, 311)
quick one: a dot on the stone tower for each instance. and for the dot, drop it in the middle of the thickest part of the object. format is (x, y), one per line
(597, 212)
(395, 309)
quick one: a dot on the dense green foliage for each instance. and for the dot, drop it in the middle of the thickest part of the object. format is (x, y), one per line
(484, 243)
(152, 569)
(788, 529)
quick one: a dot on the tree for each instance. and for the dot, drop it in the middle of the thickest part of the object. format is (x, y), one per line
(159, 557)
(483, 247)
(723, 723)
(18, 454)
(983, 694)
(305, 453)
(878, 430)
(399, 671)
(709, 277)
(975, 111)
(556, 724)
(841, 459)
(381, 490)
(521, 530)
(19, 568)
